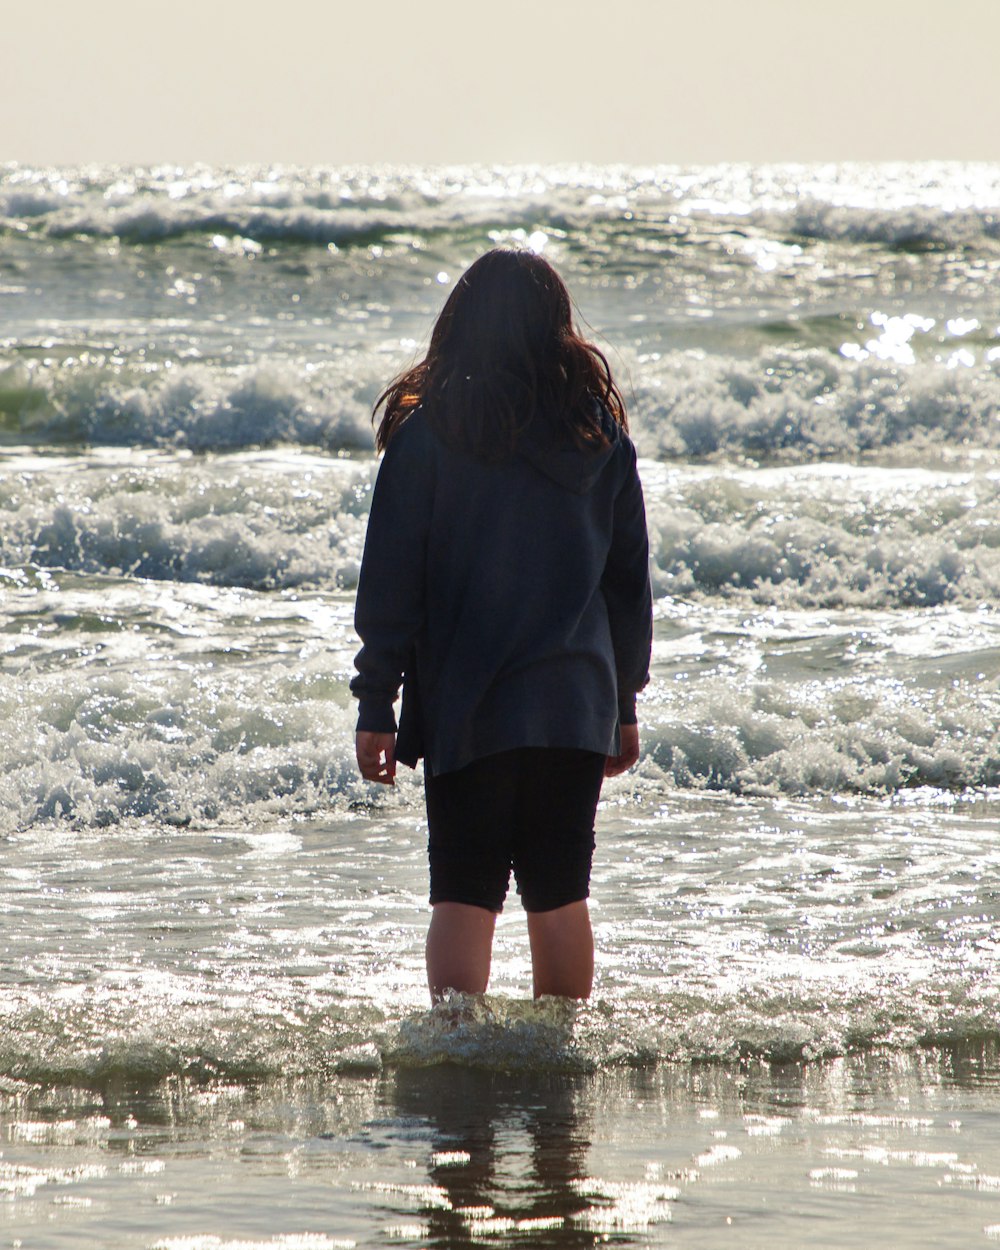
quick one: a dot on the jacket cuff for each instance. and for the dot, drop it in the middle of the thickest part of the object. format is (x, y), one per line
(626, 708)
(375, 715)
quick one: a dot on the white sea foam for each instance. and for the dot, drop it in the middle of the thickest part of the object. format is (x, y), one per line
(191, 406)
(799, 406)
(177, 742)
(861, 734)
(133, 706)
(901, 205)
(775, 406)
(152, 670)
(249, 520)
(829, 536)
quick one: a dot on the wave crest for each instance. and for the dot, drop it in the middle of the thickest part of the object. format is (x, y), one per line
(794, 407)
(192, 406)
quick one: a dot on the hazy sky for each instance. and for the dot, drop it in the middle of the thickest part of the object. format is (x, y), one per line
(639, 81)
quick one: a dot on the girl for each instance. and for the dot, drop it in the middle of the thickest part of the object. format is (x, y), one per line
(505, 586)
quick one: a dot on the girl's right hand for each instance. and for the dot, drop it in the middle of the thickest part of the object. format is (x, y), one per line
(629, 754)
(376, 756)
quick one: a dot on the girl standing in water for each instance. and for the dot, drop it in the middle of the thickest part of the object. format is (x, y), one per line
(505, 586)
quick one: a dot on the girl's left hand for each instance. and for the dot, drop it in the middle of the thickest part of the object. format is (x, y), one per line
(376, 756)
(629, 754)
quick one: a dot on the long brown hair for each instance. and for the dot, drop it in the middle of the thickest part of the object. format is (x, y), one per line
(504, 351)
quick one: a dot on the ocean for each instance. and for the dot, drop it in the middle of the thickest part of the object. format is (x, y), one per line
(214, 1031)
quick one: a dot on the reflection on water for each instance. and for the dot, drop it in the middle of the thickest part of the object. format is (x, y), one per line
(510, 1159)
(694, 1155)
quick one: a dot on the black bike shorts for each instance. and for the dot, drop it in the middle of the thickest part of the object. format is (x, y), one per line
(531, 809)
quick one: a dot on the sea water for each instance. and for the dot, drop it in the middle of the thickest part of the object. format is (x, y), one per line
(213, 1020)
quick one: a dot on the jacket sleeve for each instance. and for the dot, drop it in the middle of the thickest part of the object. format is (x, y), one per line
(627, 592)
(389, 610)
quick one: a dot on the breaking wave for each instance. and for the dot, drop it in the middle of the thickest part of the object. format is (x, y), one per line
(914, 207)
(784, 407)
(192, 406)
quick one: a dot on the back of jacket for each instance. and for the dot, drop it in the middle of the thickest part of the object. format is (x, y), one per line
(511, 600)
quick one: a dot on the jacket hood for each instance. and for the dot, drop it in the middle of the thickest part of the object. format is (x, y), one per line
(575, 468)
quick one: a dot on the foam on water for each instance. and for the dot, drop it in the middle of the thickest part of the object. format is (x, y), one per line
(144, 692)
(254, 521)
(191, 406)
(194, 707)
(131, 717)
(851, 736)
(801, 406)
(902, 205)
(827, 537)
(774, 406)
(142, 1034)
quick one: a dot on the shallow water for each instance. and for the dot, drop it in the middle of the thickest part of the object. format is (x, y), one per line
(876, 1149)
(782, 929)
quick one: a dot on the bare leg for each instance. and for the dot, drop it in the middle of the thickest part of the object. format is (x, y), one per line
(562, 951)
(459, 947)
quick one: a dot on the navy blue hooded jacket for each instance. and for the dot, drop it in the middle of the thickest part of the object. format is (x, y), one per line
(511, 600)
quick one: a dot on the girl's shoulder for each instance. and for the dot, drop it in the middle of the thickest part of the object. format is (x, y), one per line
(412, 436)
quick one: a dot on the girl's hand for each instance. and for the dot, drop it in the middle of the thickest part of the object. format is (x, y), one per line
(376, 757)
(615, 764)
